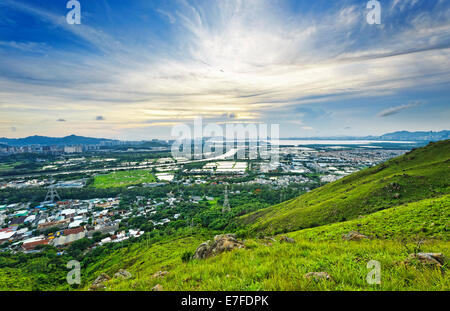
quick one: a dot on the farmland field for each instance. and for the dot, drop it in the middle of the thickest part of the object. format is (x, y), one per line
(5, 167)
(123, 179)
(8, 166)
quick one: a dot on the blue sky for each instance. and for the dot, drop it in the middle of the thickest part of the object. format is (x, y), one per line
(134, 69)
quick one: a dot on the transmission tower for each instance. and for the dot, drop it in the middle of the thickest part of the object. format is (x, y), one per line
(52, 195)
(226, 203)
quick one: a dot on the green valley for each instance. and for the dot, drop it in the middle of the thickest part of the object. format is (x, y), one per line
(400, 208)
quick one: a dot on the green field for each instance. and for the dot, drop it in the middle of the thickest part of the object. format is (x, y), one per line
(123, 179)
(5, 167)
(8, 166)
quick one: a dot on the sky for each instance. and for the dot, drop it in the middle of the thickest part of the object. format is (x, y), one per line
(135, 69)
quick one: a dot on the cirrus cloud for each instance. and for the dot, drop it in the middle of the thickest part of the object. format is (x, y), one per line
(397, 109)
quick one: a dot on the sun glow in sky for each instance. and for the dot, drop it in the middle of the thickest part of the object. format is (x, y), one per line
(133, 69)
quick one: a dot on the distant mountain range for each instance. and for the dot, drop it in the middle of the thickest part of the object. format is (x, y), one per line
(398, 136)
(51, 141)
(421, 136)
(80, 140)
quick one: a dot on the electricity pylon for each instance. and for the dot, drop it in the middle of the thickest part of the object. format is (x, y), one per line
(226, 203)
(52, 194)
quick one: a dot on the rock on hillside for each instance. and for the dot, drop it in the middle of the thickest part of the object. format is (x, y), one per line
(354, 236)
(318, 276)
(99, 282)
(221, 243)
(123, 274)
(433, 259)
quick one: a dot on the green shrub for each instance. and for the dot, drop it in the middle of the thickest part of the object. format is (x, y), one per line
(187, 256)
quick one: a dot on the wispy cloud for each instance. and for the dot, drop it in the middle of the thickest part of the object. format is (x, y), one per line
(307, 128)
(168, 15)
(397, 109)
(247, 60)
(35, 47)
(97, 38)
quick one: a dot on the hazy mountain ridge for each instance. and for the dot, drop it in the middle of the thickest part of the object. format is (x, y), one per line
(422, 136)
(81, 140)
(398, 136)
(46, 141)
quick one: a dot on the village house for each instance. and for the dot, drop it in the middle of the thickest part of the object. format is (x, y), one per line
(7, 234)
(31, 244)
(69, 236)
(58, 224)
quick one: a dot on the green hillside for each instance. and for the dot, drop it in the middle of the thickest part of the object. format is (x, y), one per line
(270, 265)
(282, 266)
(419, 174)
(425, 219)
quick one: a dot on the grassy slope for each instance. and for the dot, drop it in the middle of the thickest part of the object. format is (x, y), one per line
(33, 274)
(281, 266)
(142, 258)
(425, 219)
(420, 174)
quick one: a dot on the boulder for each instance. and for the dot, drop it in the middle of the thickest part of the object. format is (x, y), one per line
(123, 274)
(269, 238)
(285, 239)
(433, 259)
(203, 251)
(267, 241)
(318, 276)
(221, 243)
(157, 288)
(159, 274)
(99, 282)
(354, 236)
